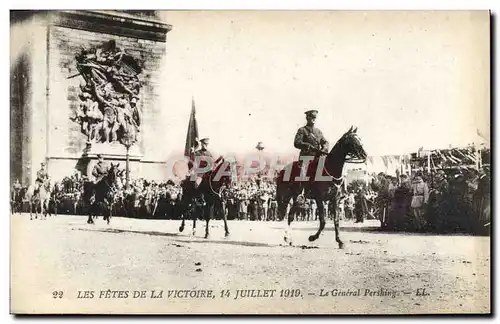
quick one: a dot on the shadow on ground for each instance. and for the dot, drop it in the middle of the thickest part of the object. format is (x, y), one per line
(204, 241)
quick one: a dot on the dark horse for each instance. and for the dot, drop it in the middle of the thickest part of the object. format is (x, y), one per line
(103, 192)
(211, 186)
(347, 149)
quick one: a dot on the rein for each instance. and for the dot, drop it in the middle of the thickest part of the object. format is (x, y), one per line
(347, 159)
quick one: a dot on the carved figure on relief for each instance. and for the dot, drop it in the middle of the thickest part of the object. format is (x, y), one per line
(108, 110)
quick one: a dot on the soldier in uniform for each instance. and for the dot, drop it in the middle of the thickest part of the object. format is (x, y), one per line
(202, 156)
(41, 177)
(309, 139)
(100, 169)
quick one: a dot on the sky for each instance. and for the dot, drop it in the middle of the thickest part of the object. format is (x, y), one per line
(406, 80)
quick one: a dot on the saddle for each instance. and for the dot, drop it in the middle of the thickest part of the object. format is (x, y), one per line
(307, 181)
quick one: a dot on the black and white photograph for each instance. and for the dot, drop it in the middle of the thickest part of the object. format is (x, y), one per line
(250, 162)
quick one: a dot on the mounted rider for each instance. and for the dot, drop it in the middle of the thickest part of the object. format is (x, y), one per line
(309, 139)
(42, 177)
(200, 158)
(100, 170)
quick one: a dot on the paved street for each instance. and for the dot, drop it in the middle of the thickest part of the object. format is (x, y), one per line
(392, 272)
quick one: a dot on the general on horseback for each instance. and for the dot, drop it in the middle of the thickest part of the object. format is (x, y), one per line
(101, 168)
(42, 177)
(318, 173)
(311, 143)
(309, 139)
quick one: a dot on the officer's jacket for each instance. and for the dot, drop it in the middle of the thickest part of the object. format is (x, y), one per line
(309, 139)
(100, 170)
(42, 175)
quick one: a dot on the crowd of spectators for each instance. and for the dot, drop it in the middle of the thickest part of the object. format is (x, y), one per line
(453, 200)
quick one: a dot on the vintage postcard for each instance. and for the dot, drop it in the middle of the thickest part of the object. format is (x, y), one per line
(250, 162)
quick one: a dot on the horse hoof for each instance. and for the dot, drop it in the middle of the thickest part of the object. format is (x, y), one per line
(181, 228)
(313, 238)
(288, 241)
(227, 234)
(341, 245)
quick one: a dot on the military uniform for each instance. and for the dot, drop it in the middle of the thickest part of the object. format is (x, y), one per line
(42, 175)
(203, 152)
(100, 170)
(309, 139)
(200, 156)
(196, 156)
(311, 142)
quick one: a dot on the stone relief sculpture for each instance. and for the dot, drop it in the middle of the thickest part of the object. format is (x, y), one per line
(108, 109)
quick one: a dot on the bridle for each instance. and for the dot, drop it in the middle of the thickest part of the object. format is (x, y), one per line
(348, 159)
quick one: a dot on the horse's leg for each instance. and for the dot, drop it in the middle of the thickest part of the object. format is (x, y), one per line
(90, 211)
(321, 210)
(208, 209)
(44, 210)
(282, 207)
(181, 228)
(226, 228)
(194, 214)
(47, 209)
(110, 213)
(290, 219)
(31, 209)
(336, 223)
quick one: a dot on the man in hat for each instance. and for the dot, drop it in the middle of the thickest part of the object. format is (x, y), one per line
(201, 158)
(309, 139)
(203, 151)
(41, 177)
(100, 169)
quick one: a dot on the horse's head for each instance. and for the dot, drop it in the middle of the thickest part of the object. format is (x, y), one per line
(350, 145)
(113, 173)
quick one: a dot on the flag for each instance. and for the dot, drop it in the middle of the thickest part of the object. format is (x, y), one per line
(192, 132)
